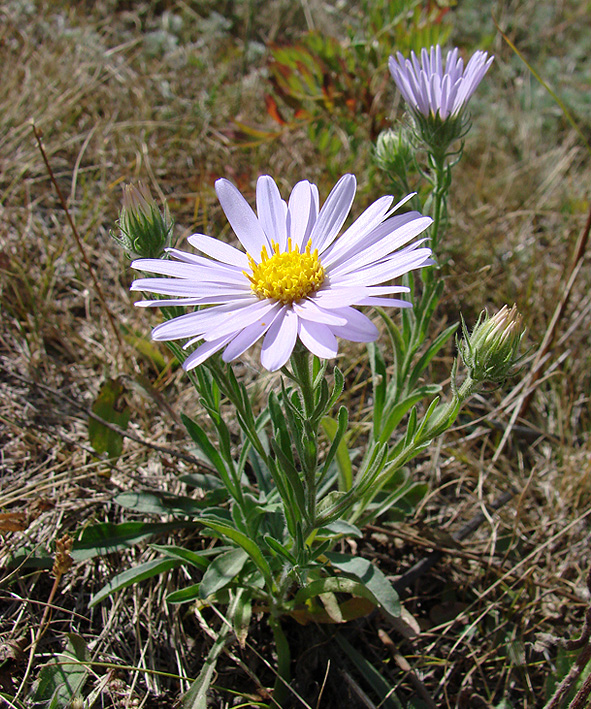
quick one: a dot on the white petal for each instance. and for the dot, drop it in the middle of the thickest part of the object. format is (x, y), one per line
(272, 211)
(372, 217)
(359, 328)
(318, 339)
(202, 321)
(303, 211)
(188, 288)
(386, 270)
(219, 250)
(241, 318)
(210, 271)
(246, 339)
(203, 352)
(308, 309)
(385, 246)
(242, 219)
(333, 213)
(280, 340)
(385, 302)
(186, 302)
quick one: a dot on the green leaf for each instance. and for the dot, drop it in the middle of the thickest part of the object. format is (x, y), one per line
(379, 384)
(374, 678)
(222, 571)
(184, 595)
(337, 389)
(184, 555)
(200, 439)
(196, 697)
(371, 577)
(333, 584)
(63, 677)
(277, 547)
(28, 557)
(339, 527)
(155, 502)
(240, 614)
(134, 575)
(249, 546)
(105, 538)
(427, 356)
(395, 416)
(202, 481)
(110, 405)
(345, 468)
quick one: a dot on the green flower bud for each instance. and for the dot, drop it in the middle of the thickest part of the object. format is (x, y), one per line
(394, 151)
(491, 352)
(144, 231)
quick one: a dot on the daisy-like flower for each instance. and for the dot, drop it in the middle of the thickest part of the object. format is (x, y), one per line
(432, 89)
(296, 279)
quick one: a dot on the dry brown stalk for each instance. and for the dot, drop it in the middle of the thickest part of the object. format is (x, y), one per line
(584, 644)
(551, 330)
(74, 230)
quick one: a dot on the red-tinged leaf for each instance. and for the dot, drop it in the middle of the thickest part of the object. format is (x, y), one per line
(273, 110)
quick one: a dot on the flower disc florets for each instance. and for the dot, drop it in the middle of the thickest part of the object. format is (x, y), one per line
(286, 277)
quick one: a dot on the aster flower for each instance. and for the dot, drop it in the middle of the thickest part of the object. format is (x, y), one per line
(432, 90)
(296, 279)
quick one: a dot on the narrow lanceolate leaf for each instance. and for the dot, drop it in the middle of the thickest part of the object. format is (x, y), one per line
(222, 571)
(240, 613)
(333, 584)
(187, 556)
(371, 675)
(249, 546)
(343, 460)
(208, 449)
(184, 595)
(371, 577)
(105, 538)
(156, 502)
(134, 575)
(196, 697)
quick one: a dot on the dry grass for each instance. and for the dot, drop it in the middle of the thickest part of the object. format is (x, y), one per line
(121, 92)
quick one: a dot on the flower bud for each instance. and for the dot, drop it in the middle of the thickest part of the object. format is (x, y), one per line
(491, 352)
(394, 151)
(144, 231)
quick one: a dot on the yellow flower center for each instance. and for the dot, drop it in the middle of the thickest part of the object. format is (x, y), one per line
(286, 277)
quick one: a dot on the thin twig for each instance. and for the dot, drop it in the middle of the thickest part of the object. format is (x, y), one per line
(74, 230)
(471, 526)
(575, 267)
(187, 457)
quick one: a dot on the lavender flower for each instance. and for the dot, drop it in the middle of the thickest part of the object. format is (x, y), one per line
(296, 279)
(430, 89)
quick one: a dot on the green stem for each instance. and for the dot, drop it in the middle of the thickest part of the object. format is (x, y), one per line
(300, 362)
(281, 687)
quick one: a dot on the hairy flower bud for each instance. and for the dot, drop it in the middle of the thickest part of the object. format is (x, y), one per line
(394, 151)
(144, 231)
(491, 352)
